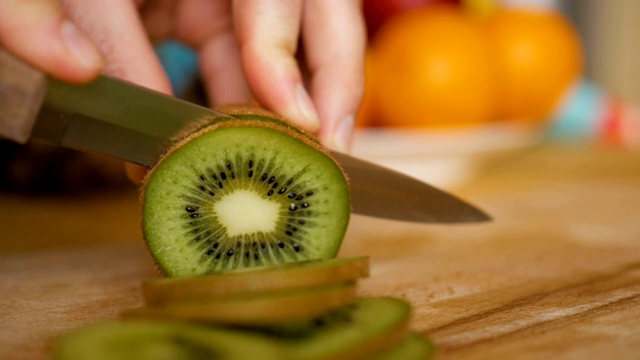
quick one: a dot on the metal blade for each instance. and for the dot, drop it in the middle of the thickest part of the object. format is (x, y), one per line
(125, 121)
(382, 192)
(131, 123)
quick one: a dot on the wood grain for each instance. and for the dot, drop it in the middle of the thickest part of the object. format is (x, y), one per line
(555, 275)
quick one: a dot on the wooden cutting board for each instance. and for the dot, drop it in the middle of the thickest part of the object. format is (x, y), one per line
(555, 275)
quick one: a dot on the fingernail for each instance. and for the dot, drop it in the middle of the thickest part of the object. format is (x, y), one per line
(81, 48)
(343, 134)
(307, 109)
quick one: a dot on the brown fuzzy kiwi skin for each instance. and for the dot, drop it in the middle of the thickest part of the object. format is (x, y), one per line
(205, 125)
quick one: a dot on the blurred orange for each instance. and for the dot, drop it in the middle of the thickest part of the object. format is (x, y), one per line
(538, 56)
(433, 68)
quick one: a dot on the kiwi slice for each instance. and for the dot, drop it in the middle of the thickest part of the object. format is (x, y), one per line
(306, 274)
(244, 193)
(161, 340)
(373, 325)
(257, 310)
(413, 347)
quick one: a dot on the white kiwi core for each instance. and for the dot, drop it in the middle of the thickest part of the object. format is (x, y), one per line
(245, 212)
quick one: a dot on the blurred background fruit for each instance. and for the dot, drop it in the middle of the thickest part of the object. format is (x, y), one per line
(537, 57)
(432, 66)
(474, 62)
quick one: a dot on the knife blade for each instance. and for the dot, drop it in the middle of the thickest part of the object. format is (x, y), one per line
(132, 123)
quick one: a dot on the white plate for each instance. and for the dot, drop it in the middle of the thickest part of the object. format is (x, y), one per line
(444, 158)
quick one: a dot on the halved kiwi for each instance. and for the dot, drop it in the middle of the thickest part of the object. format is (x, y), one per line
(305, 274)
(162, 340)
(257, 310)
(244, 193)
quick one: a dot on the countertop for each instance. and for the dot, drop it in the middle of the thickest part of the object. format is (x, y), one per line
(556, 274)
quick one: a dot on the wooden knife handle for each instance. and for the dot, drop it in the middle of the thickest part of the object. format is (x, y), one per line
(22, 90)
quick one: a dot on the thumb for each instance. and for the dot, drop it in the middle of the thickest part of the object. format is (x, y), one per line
(39, 32)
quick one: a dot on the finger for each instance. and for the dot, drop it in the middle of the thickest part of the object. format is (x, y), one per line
(334, 39)
(158, 17)
(117, 29)
(207, 26)
(38, 32)
(268, 32)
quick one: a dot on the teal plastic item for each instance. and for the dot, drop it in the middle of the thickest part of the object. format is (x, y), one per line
(180, 63)
(580, 115)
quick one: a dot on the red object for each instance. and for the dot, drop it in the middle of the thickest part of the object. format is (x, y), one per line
(377, 12)
(611, 127)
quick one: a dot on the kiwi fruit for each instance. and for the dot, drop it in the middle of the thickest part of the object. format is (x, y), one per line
(371, 326)
(258, 310)
(135, 340)
(413, 347)
(241, 193)
(306, 274)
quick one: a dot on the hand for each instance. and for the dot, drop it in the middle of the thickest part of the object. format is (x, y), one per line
(246, 47)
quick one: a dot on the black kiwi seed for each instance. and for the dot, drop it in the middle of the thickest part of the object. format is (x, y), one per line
(280, 244)
(250, 173)
(215, 245)
(271, 179)
(305, 205)
(202, 177)
(309, 193)
(291, 195)
(194, 215)
(300, 197)
(275, 185)
(296, 247)
(230, 252)
(282, 190)
(293, 207)
(270, 192)
(264, 177)
(250, 164)
(223, 175)
(190, 209)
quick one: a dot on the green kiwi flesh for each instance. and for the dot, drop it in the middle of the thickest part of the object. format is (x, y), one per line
(135, 340)
(371, 326)
(249, 281)
(246, 194)
(413, 347)
(259, 310)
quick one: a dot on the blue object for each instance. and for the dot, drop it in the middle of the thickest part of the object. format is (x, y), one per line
(180, 63)
(579, 115)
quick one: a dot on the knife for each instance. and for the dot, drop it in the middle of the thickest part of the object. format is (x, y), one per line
(132, 123)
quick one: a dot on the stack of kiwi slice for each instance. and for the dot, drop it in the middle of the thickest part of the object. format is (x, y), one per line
(307, 310)
(245, 217)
